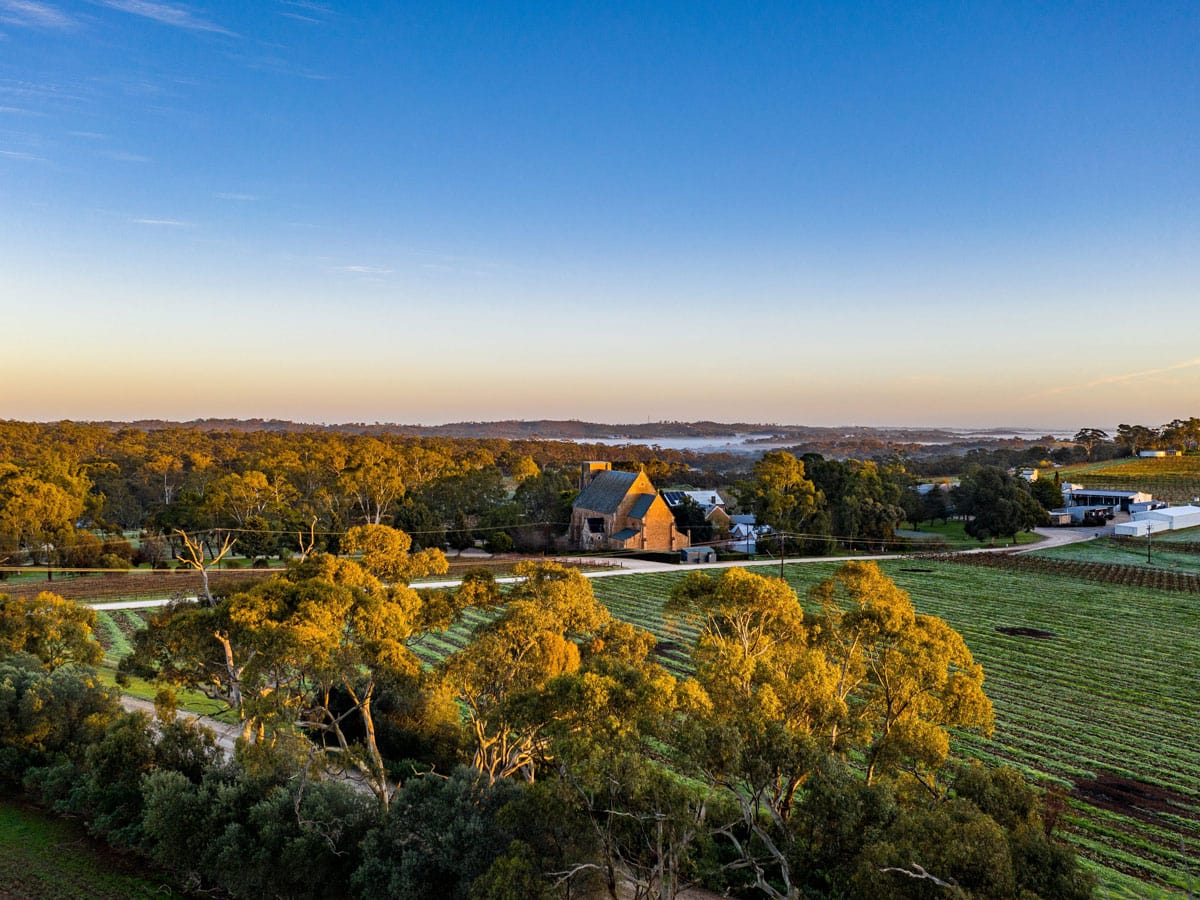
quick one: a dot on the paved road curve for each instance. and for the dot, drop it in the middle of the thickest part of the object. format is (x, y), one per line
(1051, 537)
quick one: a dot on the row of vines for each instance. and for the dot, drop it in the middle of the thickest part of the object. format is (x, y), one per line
(1100, 572)
(1108, 690)
(1174, 478)
(1105, 690)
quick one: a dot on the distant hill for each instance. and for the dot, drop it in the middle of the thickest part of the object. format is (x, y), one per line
(577, 430)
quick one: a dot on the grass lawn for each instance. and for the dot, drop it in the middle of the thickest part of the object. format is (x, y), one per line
(954, 534)
(45, 858)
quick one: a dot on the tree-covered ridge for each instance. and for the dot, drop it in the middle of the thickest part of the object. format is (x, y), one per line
(69, 491)
(64, 486)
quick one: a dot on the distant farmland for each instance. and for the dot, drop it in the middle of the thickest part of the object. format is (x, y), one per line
(1174, 478)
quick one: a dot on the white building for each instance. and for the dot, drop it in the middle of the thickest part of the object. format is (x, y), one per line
(744, 532)
(1173, 518)
(1140, 528)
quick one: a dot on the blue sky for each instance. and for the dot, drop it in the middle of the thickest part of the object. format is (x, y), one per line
(809, 213)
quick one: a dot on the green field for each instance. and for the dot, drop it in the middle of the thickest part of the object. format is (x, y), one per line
(47, 858)
(1164, 554)
(1183, 536)
(1113, 691)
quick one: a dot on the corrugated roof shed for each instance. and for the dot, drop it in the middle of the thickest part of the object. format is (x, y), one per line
(605, 492)
(703, 499)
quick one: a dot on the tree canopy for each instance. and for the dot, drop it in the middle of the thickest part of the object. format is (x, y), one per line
(998, 504)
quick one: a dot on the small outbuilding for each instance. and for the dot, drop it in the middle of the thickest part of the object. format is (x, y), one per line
(698, 555)
(1139, 528)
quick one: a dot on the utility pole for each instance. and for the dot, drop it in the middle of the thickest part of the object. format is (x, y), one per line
(781, 556)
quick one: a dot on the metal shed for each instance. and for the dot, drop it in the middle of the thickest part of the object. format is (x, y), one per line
(697, 555)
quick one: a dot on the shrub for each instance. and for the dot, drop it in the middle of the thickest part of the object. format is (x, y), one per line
(119, 547)
(85, 552)
(113, 561)
(499, 542)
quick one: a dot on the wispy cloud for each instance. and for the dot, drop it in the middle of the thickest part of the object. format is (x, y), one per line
(90, 135)
(1124, 378)
(122, 156)
(167, 14)
(26, 157)
(310, 13)
(323, 9)
(165, 223)
(238, 198)
(46, 96)
(363, 270)
(31, 14)
(277, 65)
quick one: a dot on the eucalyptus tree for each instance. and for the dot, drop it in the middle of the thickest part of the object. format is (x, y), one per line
(308, 652)
(500, 674)
(998, 504)
(778, 690)
(53, 630)
(780, 493)
(766, 694)
(904, 678)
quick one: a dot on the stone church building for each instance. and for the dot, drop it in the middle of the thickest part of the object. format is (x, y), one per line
(621, 511)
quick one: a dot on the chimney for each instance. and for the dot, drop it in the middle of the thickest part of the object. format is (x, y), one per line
(589, 470)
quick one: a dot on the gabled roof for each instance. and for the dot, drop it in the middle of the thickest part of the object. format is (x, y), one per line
(624, 534)
(641, 505)
(605, 492)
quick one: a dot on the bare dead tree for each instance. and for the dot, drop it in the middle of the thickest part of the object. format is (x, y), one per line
(192, 556)
(307, 542)
(920, 874)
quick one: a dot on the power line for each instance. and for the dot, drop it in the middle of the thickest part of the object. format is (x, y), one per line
(222, 529)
